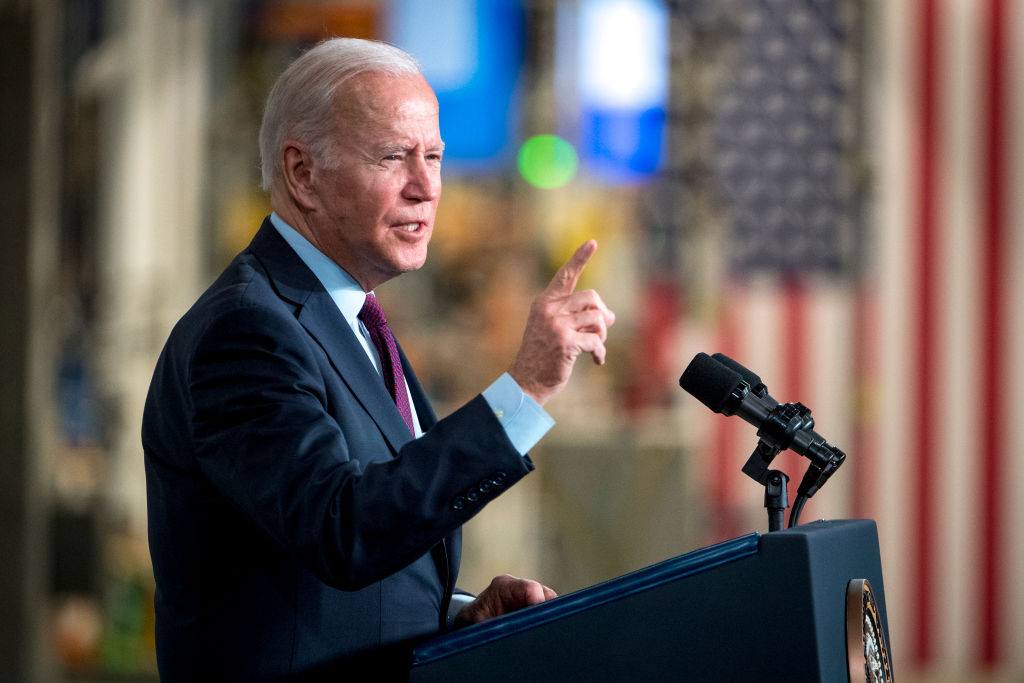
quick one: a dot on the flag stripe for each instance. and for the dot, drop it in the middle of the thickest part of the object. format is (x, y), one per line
(922, 441)
(863, 442)
(1013, 463)
(793, 361)
(895, 261)
(725, 439)
(956, 532)
(992, 330)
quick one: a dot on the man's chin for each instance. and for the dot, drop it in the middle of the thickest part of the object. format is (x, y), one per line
(412, 259)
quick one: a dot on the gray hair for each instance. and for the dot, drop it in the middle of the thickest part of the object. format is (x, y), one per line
(301, 104)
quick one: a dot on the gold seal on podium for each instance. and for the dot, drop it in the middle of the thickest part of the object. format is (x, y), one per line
(866, 648)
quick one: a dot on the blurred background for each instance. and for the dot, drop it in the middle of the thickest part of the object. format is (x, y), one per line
(824, 190)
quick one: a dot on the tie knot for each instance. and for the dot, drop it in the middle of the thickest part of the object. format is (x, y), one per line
(372, 314)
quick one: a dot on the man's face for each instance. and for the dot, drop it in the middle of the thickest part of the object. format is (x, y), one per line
(376, 209)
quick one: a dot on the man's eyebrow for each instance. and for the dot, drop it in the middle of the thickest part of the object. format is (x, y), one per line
(395, 149)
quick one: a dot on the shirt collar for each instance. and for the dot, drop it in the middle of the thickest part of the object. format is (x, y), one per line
(348, 296)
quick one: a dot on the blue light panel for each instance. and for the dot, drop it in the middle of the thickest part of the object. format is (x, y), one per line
(622, 60)
(471, 52)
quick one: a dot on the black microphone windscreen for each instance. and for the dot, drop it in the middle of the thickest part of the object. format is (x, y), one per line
(749, 376)
(709, 381)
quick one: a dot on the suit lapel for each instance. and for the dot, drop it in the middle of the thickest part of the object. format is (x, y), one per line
(319, 315)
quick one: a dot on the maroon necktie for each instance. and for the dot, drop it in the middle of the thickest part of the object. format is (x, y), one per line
(377, 325)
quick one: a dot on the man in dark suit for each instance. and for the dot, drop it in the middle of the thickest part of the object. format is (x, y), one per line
(305, 503)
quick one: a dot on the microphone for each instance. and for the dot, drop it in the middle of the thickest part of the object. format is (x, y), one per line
(752, 380)
(726, 387)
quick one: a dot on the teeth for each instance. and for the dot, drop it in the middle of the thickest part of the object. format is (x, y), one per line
(409, 227)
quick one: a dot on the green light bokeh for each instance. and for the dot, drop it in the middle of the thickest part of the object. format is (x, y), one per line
(547, 161)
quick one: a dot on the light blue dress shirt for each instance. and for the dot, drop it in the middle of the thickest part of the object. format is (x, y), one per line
(524, 420)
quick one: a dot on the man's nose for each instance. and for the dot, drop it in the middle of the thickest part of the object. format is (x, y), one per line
(424, 181)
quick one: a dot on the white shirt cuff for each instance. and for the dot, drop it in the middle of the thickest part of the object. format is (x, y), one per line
(525, 422)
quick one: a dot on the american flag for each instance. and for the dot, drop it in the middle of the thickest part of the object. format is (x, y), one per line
(870, 266)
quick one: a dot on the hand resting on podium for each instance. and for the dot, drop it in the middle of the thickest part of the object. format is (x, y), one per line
(504, 594)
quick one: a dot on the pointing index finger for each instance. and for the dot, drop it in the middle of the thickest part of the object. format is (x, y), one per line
(564, 281)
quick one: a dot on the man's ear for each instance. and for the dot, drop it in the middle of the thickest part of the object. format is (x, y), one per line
(298, 168)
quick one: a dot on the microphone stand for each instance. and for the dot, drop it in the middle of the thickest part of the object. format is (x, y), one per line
(776, 496)
(775, 499)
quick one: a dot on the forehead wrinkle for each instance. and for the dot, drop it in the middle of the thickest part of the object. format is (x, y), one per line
(365, 110)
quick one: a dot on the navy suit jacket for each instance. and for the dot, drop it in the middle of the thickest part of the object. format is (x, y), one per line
(295, 526)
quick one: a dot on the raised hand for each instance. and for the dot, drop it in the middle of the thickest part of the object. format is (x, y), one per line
(562, 324)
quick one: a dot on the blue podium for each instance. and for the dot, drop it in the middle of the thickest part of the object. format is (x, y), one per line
(803, 604)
